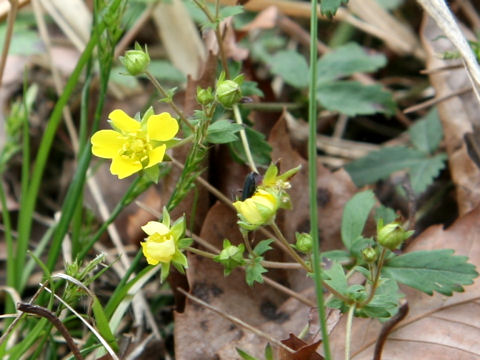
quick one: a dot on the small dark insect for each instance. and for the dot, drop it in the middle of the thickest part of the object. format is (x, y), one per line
(250, 185)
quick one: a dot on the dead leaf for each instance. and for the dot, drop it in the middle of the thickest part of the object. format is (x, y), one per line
(457, 115)
(436, 327)
(229, 42)
(179, 36)
(303, 351)
(265, 19)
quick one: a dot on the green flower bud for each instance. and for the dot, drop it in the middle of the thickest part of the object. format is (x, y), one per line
(304, 242)
(136, 61)
(391, 235)
(228, 92)
(369, 254)
(204, 96)
(230, 257)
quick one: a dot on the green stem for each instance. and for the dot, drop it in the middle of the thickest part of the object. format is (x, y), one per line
(292, 252)
(205, 254)
(312, 176)
(348, 332)
(374, 286)
(164, 93)
(243, 137)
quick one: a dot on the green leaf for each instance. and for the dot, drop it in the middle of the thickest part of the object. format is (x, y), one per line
(387, 214)
(427, 133)
(263, 246)
(385, 301)
(347, 60)
(390, 4)
(227, 11)
(335, 278)
(222, 132)
(291, 67)
(380, 164)
(425, 171)
(429, 271)
(254, 271)
(268, 352)
(152, 174)
(164, 70)
(355, 216)
(102, 323)
(330, 7)
(250, 88)
(354, 98)
(337, 255)
(258, 145)
(245, 355)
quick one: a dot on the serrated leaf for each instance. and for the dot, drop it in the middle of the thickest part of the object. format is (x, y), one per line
(425, 171)
(429, 271)
(347, 60)
(427, 133)
(335, 278)
(263, 246)
(355, 215)
(258, 145)
(354, 98)
(222, 132)
(380, 164)
(254, 271)
(291, 67)
(330, 7)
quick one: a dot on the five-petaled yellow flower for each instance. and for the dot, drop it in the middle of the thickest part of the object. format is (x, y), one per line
(133, 146)
(257, 210)
(159, 246)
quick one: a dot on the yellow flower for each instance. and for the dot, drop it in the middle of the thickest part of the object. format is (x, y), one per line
(257, 210)
(159, 246)
(132, 146)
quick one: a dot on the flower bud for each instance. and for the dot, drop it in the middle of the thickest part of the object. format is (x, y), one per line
(391, 235)
(136, 61)
(228, 91)
(230, 257)
(304, 242)
(369, 254)
(204, 96)
(257, 210)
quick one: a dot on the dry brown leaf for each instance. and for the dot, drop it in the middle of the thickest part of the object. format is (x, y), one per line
(457, 115)
(229, 42)
(303, 351)
(265, 19)
(436, 327)
(179, 36)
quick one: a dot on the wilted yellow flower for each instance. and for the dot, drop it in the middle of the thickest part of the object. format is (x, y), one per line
(159, 246)
(257, 210)
(133, 145)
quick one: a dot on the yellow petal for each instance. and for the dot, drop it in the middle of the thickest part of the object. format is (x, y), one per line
(153, 227)
(156, 155)
(162, 127)
(123, 122)
(123, 168)
(156, 252)
(106, 143)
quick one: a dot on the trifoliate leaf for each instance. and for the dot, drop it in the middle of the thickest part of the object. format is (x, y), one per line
(330, 7)
(263, 246)
(427, 133)
(425, 171)
(354, 98)
(429, 271)
(291, 67)
(380, 164)
(355, 215)
(347, 60)
(222, 132)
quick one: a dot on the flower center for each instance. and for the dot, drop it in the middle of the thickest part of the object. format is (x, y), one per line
(136, 148)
